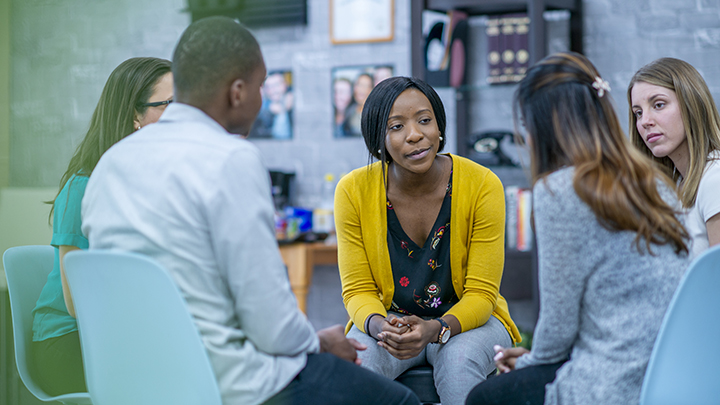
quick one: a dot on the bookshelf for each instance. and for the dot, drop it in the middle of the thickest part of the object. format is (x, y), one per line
(537, 45)
(519, 284)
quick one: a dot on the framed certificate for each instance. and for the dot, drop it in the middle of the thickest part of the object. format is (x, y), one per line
(353, 21)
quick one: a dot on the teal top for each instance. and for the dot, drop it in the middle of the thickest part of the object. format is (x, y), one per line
(50, 316)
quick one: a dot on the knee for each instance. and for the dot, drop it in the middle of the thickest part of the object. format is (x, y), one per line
(457, 358)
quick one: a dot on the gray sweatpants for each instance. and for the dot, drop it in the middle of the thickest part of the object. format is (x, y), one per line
(458, 366)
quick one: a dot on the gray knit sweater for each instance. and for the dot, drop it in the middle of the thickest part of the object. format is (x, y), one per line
(601, 301)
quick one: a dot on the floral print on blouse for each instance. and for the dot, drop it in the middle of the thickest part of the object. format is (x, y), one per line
(423, 281)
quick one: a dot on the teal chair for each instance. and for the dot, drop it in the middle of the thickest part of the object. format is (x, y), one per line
(683, 367)
(140, 344)
(27, 269)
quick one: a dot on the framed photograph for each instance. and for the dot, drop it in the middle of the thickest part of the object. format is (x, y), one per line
(353, 21)
(275, 120)
(350, 88)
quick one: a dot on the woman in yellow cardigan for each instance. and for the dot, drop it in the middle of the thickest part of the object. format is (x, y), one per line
(421, 246)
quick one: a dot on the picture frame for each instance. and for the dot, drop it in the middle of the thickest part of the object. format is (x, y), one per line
(275, 119)
(351, 86)
(356, 21)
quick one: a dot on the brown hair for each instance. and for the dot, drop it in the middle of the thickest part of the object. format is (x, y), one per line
(699, 116)
(570, 124)
(129, 86)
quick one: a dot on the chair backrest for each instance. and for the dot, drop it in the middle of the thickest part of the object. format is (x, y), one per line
(27, 269)
(139, 342)
(683, 363)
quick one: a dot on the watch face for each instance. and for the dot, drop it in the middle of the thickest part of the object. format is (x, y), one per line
(445, 335)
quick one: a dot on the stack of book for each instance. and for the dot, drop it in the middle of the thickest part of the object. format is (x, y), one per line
(518, 231)
(508, 55)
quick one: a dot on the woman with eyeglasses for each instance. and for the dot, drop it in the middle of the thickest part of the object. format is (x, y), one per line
(135, 95)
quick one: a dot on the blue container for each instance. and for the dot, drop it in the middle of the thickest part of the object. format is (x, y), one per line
(303, 215)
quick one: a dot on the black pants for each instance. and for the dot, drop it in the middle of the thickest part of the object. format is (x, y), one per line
(327, 379)
(58, 364)
(525, 386)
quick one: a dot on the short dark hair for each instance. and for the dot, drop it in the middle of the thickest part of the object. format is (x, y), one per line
(211, 52)
(378, 105)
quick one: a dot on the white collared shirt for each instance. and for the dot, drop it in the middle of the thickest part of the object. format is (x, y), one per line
(197, 199)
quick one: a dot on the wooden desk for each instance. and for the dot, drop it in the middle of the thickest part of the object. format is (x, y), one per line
(300, 258)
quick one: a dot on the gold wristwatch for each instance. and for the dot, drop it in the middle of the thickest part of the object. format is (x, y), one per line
(444, 335)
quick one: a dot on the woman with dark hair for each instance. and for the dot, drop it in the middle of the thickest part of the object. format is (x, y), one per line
(361, 89)
(674, 120)
(421, 246)
(135, 95)
(342, 102)
(611, 250)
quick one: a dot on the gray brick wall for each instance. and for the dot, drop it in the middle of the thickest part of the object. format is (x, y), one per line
(621, 36)
(310, 55)
(63, 51)
(61, 54)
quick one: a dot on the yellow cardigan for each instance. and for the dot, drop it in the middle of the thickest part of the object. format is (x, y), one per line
(477, 245)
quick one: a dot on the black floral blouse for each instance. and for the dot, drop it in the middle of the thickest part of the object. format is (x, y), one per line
(423, 282)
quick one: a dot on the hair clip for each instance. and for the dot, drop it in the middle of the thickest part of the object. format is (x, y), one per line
(601, 86)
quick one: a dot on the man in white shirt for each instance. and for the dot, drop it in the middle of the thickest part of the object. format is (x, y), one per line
(196, 198)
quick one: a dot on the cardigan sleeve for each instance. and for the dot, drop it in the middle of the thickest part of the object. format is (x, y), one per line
(359, 289)
(485, 246)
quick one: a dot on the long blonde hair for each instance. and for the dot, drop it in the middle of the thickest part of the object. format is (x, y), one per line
(699, 116)
(571, 124)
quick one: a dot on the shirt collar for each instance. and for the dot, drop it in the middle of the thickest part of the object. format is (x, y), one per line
(179, 112)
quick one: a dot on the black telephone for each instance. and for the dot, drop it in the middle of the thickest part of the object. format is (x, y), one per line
(495, 148)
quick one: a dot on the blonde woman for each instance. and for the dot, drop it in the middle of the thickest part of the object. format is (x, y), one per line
(673, 119)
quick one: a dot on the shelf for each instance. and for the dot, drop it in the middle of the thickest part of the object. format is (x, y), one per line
(466, 88)
(519, 283)
(537, 45)
(520, 254)
(524, 314)
(517, 280)
(482, 7)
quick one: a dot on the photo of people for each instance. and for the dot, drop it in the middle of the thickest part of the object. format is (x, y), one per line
(351, 86)
(275, 118)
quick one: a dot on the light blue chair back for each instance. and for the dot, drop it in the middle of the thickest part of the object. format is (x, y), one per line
(140, 344)
(683, 367)
(27, 269)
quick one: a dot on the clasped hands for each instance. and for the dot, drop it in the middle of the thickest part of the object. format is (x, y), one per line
(404, 338)
(505, 358)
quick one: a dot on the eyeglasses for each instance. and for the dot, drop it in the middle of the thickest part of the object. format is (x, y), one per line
(156, 103)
